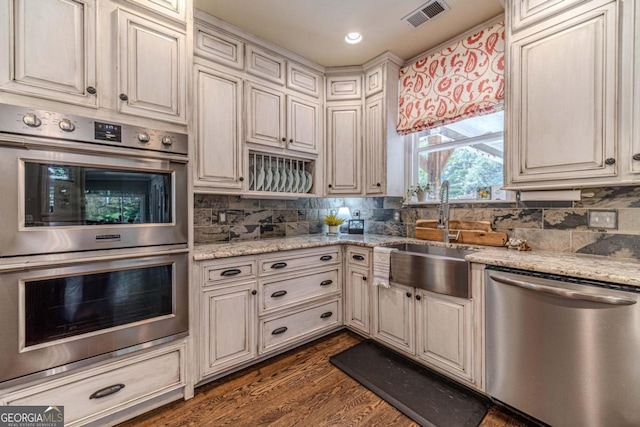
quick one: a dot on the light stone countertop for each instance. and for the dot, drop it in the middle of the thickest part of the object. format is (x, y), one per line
(626, 272)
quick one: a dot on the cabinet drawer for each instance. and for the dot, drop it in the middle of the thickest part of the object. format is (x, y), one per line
(281, 331)
(359, 256)
(277, 293)
(299, 260)
(142, 377)
(218, 46)
(228, 271)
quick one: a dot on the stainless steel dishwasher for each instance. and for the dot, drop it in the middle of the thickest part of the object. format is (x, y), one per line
(563, 350)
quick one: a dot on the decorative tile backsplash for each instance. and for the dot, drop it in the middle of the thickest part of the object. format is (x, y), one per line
(551, 226)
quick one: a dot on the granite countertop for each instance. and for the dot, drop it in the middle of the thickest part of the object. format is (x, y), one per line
(575, 265)
(625, 272)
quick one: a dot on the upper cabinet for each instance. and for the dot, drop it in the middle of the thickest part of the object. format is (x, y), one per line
(369, 162)
(152, 62)
(174, 9)
(119, 57)
(44, 59)
(566, 113)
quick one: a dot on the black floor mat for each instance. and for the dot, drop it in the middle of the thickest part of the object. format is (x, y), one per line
(422, 395)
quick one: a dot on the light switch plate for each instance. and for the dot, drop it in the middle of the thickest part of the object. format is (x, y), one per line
(603, 219)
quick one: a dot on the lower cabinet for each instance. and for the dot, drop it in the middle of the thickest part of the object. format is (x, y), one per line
(229, 323)
(443, 332)
(99, 392)
(357, 289)
(435, 330)
(258, 305)
(394, 318)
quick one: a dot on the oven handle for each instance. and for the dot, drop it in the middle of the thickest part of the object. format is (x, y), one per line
(564, 293)
(107, 391)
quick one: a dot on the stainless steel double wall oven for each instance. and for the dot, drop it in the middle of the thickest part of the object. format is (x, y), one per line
(93, 240)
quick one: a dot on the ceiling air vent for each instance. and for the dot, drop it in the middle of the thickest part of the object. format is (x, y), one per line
(426, 12)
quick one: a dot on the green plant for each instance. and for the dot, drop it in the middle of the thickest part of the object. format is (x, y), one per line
(333, 220)
(421, 188)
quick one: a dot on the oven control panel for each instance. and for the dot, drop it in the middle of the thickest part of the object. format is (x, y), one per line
(47, 124)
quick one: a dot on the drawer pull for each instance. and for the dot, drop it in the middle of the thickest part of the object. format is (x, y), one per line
(232, 272)
(326, 315)
(278, 265)
(279, 331)
(277, 294)
(107, 391)
(357, 257)
(326, 258)
(326, 282)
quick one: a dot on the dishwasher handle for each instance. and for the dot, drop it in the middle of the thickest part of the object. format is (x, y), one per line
(564, 293)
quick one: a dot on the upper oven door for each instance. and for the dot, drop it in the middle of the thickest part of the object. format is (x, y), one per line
(63, 201)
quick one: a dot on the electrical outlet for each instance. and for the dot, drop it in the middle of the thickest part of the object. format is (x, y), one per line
(222, 217)
(356, 213)
(603, 219)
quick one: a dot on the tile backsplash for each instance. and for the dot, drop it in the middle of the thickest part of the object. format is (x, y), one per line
(552, 226)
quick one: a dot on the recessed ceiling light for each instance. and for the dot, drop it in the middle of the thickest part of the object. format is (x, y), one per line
(353, 38)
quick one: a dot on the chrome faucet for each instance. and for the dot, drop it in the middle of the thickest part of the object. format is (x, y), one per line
(443, 213)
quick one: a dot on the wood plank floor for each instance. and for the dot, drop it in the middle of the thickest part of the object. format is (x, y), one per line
(299, 388)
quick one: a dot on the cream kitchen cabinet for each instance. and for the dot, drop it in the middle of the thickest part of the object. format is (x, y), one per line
(357, 290)
(174, 9)
(384, 157)
(344, 148)
(229, 326)
(394, 317)
(282, 121)
(527, 12)
(219, 159)
(563, 112)
(444, 331)
(252, 307)
(44, 59)
(152, 62)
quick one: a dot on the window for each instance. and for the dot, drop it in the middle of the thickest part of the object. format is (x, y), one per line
(468, 153)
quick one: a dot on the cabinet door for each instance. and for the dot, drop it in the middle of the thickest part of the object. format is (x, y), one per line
(265, 115)
(374, 165)
(357, 300)
(49, 49)
(303, 125)
(563, 99)
(393, 316)
(635, 126)
(526, 12)
(444, 334)
(228, 327)
(174, 9)
(152, 61)
(344, 149)
(219, 129)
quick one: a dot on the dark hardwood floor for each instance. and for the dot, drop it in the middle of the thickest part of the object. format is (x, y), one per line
(298, 388)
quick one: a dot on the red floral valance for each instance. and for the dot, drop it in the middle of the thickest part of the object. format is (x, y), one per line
(461, 81)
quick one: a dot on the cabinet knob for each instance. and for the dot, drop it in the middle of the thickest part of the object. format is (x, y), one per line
(124, 97)
(92, 90)
(330, 186)
(253, 292)
(610, 161)
(284, 139)
(636, 157)
(408, 294)
(290, 140)
(241, 179)
(378, 185)
(418, 297)
(364, 278)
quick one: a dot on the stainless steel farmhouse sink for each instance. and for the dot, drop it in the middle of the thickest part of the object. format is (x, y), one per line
(433, 268)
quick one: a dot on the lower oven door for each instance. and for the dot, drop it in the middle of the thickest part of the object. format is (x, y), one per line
(54, 316)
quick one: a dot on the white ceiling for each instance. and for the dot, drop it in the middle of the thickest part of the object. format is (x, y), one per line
(315, 29)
